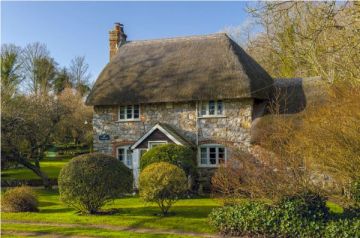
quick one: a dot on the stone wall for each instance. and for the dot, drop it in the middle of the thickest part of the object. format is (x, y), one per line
(233, 127)
(231, 130)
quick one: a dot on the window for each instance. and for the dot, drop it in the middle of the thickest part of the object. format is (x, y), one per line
(124, 154)
(152, 144)
(212, 155)
(128, 113)
(211, 108)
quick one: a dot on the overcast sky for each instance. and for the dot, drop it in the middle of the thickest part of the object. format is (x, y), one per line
(81, 28)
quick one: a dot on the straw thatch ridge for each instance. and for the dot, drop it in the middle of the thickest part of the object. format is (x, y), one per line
(180, 69)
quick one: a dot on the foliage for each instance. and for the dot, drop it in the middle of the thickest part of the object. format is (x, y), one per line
(302, 215)
(11, 75)
(355, 190)
(343, 228)
(181, 156)
(162, 183)
(89, 181)
(306, 204)
(19, 199)
(28, 124)
(251, 218)
(304, 39)
(76, 126)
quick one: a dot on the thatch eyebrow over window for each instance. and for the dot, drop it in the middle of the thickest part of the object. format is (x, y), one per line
(196, 68)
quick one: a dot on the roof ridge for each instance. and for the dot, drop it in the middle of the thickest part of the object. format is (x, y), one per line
(192, 37)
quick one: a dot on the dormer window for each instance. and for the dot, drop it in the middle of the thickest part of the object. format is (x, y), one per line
(129, 113)
(211, 108)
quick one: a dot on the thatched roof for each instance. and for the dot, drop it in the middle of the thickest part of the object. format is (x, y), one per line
(290, 96)
(180, 69)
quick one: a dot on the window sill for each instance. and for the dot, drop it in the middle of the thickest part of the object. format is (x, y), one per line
(130, 120)
(204, 166)
(212, 116)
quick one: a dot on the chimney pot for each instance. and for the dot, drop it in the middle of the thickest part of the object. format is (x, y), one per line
(117, 37)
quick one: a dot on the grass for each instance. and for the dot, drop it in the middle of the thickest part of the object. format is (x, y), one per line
(36, 230)
(188, 215)
(50, 166)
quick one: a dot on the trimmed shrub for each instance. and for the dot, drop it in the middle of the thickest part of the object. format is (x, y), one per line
(89, 181)
(162, 183)
(19, 199)
(182, 156)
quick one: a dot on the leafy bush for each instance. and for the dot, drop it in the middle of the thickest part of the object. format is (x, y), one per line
(307, 204)
(355, 190)
(248, 219)
(182, 156)
(343, 228)
(302, 215)
(89, 181)
(20, 199)
(162, 183)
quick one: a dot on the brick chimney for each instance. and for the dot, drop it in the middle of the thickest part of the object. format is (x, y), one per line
(117, 38)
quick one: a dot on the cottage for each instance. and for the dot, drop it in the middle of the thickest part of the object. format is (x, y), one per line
(199, 91)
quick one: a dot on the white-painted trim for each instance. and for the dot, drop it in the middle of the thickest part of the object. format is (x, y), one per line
(160, 128)
(211, 116)
(156, 142)
(207, 115)
(132, 113)
(210, 165)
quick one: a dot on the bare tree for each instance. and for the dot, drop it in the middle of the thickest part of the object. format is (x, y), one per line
(38, 67)
(79, 72)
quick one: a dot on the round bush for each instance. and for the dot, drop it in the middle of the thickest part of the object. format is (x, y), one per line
(88, 181)
(182, 156)
(20, 199)
(162, 183)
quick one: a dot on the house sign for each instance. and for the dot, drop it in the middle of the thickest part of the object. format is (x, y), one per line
(104, 137)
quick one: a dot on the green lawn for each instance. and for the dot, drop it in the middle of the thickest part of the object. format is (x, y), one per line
(50, 166)
(188, 215)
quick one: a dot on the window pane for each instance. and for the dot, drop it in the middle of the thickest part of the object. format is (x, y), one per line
(219, 107)
(121, 154)
(129, 112)
(221, 155)
(136, 111)
(211, 107)
(128, 158)
(122, 113)
(203, 109)
(212, 155)
(203, 156)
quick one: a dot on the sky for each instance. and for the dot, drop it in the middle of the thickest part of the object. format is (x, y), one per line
(72, 29)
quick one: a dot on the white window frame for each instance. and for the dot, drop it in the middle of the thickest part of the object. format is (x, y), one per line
(208, 146)
(155, 142)
(206, 103)
(125, 161)
(132, 113)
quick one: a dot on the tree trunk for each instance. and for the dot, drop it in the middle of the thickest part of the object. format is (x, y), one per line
(36, 170)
